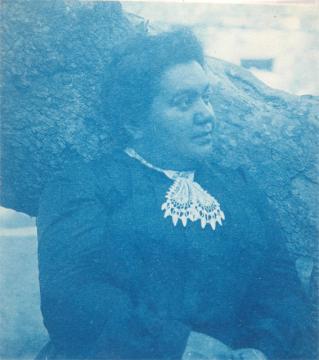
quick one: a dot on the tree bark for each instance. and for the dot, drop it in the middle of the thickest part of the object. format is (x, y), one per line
(54, 57)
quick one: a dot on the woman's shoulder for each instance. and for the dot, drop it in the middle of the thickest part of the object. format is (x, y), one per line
(111, 170)
(96, 177)
(238, 190)
(237, 180)
(229, 181)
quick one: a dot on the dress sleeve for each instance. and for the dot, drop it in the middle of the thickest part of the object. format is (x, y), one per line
(87, 310)
(275, 316)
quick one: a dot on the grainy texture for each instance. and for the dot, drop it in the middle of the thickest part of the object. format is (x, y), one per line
(273, 136)
(54, 54)
(22, 333)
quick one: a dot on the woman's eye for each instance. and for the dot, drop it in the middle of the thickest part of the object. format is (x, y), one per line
(207, 98)
(183, 103)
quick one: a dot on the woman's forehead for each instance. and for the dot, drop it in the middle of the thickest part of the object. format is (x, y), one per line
(184, 77)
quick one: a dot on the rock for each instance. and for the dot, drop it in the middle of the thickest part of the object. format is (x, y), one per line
(54, 56)
(273, 137)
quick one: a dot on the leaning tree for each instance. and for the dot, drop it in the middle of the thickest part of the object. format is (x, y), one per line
(54, 57)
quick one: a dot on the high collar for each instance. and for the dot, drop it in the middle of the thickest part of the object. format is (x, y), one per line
(171, 174)
(185, 199)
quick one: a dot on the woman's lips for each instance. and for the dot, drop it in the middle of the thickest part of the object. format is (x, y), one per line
(204, 135)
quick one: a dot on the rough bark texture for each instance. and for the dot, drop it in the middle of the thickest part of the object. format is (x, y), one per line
(54, 54)
(273, 137)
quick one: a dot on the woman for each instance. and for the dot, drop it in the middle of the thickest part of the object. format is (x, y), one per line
(153, 252)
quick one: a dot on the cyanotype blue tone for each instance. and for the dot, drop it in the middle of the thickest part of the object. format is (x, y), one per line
(163, 232)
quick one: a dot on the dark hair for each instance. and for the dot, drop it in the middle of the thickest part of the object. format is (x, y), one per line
(132, 78)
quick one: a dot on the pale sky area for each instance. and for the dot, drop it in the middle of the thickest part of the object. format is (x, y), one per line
(284, 35)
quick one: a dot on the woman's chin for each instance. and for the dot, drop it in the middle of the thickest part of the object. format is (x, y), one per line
(203, 151)
(197, 154)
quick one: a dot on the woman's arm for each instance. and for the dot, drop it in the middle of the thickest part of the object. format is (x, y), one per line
(86, 308)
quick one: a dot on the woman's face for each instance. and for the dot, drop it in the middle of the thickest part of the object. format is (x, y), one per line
(181, 118)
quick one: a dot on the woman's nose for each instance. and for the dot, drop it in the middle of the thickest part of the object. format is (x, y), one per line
(204, 113)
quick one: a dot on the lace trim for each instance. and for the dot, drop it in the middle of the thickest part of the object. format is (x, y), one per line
(186, 199)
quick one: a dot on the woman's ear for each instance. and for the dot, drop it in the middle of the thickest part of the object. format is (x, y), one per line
(133, 131)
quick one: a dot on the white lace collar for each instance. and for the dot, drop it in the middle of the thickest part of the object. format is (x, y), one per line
(186, 199)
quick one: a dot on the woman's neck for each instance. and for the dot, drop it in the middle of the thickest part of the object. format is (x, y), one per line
(163, 160)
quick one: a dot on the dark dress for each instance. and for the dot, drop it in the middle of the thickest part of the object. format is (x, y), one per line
(118, 281)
